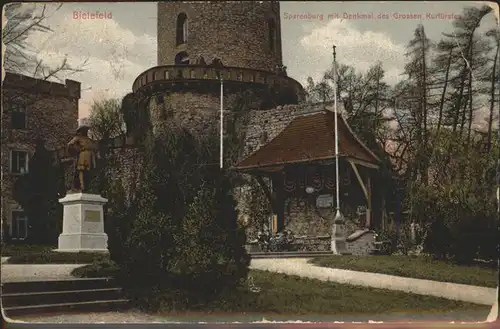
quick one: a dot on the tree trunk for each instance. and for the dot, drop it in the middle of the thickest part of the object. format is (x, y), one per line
(441, 103)
(462, 121)
(492, 100)
(458, 104)
(471, 115)
(424, 166)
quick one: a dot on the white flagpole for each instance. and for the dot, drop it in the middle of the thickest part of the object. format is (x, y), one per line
(221, 123)
(338, 235)
(337, 185)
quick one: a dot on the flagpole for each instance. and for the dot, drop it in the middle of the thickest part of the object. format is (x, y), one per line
(338, 246)
(221, 123)
(337, 185)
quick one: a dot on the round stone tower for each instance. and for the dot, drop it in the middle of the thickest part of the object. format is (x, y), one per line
(202, 43)
(240, 33)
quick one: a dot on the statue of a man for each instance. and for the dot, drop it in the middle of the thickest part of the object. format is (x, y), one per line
(85, 150)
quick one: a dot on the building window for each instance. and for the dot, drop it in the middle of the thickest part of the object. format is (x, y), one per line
(272, 34)
(18, 116)
(19, 227)
(182, 29)
(167, 75)
(182, 58)
(193, 75)
(240, 76)
(19, 162)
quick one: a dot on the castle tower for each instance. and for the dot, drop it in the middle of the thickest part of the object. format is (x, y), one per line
(242, 34)
(200, 43)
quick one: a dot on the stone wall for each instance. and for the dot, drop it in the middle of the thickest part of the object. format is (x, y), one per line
(303, 218)
(363, 245)
(125, 166)
(198, 111)
(236, 32)
(51, 114)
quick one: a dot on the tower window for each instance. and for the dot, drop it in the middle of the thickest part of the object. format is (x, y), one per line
(272, 34)
(182, 58)
(182, 29)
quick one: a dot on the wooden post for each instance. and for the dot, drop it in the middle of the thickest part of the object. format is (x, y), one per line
(368, 202)
(275, 224)
(366, 188)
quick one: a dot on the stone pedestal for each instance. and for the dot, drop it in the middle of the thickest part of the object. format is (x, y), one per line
(339, 246)
(83, 224)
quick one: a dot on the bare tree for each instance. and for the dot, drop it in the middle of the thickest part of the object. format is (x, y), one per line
(106, 120)
(495, 34)
(24, 21)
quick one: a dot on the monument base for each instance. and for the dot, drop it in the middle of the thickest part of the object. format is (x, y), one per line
(338, 246)
(83, 224)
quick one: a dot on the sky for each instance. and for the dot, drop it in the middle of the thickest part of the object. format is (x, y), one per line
(122, 45)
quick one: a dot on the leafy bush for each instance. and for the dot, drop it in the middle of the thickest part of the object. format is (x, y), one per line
(259, 208)
(97, 269)
(119, 215)
(458, 208)
(401, 240)
(185, 234)
(38, 191)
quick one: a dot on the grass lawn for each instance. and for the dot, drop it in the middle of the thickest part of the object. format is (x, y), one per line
(36, 254)
(414, 267)
(20, 249)
(285, 297)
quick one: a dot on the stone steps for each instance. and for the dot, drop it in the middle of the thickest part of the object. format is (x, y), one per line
(74, 295)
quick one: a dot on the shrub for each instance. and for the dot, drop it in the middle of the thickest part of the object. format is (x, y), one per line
(118, 220)
(457, 203)
(37, 192)
(98, 269)
(185, 234)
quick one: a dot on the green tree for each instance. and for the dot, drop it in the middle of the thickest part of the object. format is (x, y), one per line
(184, 238)
(37, 192)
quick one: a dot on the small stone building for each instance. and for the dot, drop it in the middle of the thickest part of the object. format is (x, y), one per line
(31, 109)
(292, 155)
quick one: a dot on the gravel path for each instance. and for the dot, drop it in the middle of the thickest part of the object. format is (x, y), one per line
(25, 272)
(454, 291)
(139, 317)
(99, 317)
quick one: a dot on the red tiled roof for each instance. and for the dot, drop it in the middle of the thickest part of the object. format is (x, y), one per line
(309, 137)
